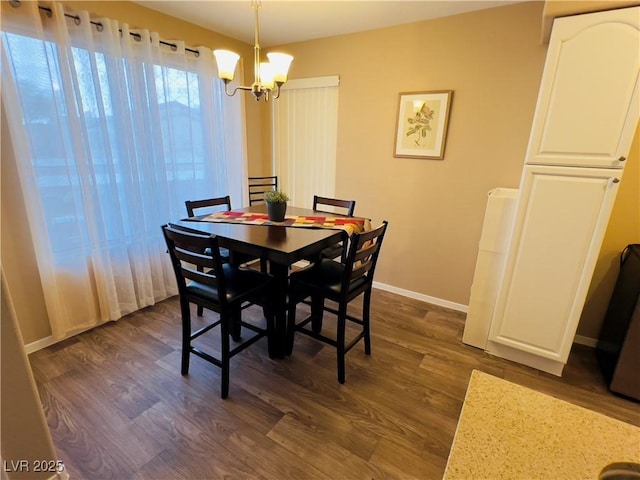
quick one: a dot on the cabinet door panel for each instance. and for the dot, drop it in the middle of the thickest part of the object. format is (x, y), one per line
(588, 105)
(560, 221)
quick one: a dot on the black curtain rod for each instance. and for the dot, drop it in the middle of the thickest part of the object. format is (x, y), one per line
(99, 26)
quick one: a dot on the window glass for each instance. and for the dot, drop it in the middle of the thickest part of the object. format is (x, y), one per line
(118, 172)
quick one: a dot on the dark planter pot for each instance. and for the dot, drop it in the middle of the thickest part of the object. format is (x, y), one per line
(276, 211)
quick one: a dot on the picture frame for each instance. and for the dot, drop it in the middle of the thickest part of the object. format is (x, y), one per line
(422, 122)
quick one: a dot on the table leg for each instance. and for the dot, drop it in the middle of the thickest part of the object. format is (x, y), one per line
(277, 344)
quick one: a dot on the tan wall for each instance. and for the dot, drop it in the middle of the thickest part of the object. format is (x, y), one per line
(493, 62)
(24, 433)
(16, 254)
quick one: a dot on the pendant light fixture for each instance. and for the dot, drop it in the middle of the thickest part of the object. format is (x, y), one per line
(268, 77)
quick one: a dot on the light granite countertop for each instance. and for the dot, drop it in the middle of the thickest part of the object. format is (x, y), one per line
(507, 431)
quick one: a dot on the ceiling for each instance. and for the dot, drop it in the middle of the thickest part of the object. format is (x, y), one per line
(292, 21)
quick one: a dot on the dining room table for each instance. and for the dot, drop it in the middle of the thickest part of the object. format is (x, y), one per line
(303, 235)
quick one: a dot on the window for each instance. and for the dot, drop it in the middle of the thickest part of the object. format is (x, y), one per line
(113, 132)
(308, 113)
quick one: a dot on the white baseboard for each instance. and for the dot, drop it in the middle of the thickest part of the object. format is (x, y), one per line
(48, 341)
(40, 344)
(579, 339)
(424, 298)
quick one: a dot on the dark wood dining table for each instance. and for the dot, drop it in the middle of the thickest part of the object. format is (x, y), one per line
(281, 246)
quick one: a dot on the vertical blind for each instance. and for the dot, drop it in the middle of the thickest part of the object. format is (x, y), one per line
(112, 132)
(305, 126)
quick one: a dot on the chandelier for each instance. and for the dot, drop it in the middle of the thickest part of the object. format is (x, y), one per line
(267, 76)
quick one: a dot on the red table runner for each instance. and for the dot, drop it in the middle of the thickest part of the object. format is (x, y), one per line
(349, 224)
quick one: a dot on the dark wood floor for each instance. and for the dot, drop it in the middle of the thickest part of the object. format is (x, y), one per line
(118, 407)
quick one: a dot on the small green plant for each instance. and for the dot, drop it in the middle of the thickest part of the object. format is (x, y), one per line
(275, 196)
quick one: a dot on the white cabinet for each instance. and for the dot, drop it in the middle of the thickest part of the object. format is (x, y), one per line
(560, 222)
(586, 115)
(588, 102)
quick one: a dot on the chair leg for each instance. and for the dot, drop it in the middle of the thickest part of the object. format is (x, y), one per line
(224, 356)
(200, 309)
(270, 317)
(317, 312)
(291, 323)
(342, 321)
(236, 323)
(366, 324)
(186, 336)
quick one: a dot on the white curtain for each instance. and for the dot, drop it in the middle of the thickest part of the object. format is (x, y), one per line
(305, 126)
(112, 132)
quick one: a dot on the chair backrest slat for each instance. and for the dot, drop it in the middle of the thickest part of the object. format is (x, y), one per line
(209, 203)
(363, 255)
(195, 256)
(259, 185)
(201, 277)
(348, 205)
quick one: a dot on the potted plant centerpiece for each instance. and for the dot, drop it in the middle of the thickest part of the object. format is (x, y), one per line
(276, 205)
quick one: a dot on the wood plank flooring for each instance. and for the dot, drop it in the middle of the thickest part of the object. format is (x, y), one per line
(118, 407)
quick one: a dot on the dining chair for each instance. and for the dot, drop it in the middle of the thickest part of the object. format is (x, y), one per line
(211, 204)
(220, 204)
(345, 207)
(339, 282)
(259, 185)
(348, 206)
(204, 280)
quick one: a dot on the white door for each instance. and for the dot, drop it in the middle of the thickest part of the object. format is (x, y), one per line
(560, 221)
(588, 102)
(305, 130)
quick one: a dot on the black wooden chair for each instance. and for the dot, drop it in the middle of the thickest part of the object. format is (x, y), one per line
(217, 286)
(341, 283)
(220, 204)
(259, 185)
(210, 205)
(345, 207)
(206, 206)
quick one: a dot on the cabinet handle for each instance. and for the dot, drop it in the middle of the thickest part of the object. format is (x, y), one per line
(616, 180)
(622, 159)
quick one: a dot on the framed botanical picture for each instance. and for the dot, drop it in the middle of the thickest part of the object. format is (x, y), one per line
(423, 118)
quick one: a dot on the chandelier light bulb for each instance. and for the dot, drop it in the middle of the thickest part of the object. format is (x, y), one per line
(268, 76)
(226, 62)
(281, 63)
